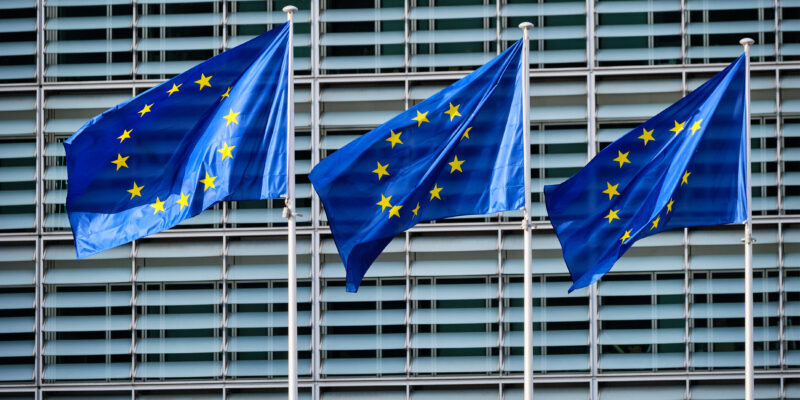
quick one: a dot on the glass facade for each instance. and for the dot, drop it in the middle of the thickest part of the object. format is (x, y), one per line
(200, 311)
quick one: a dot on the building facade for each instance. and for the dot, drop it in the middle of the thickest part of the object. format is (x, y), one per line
(199, 311)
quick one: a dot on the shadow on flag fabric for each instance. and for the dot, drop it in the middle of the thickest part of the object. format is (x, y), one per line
(685, 167)
(458, 152)
(215, 132)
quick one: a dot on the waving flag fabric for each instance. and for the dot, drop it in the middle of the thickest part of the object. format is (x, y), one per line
(684, 167)
(458, 152)
(215, 132)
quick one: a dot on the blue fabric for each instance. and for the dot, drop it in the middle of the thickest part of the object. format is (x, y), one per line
(649, 176)
(195, 147)
(410, 170)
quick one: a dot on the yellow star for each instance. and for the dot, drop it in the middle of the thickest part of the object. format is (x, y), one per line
(208, 182)
(669, 205)
(655, 223)
(183, 201)
(136, 191)
(416, 210)
(678, 127)
(381, 170)
(145, 110)
(647, 136)
(120, 161)
(420, 118)
(226, 94)
(455, 165)
(394, 138)
(395, 211)
(231, 117)
(626, 236)
(384, 202)
(612, 215)
(435, 192)
(685, 178)
(158, 206)
(204, 81)
(466, 134)
(226, 150)
(453, 111)
(611, 191)
(126, 134)
(174, 89)
(696, 126)
(622, 158)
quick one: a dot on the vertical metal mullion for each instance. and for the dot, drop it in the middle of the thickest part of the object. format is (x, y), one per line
(684, 41)
(500, 305)
(134, 39)
(406, 38)
(134, 297)
(781, 299)
(779, 142)
(498, 28)
(38, 264)
(316, 307)
(224, 25)
(39, 316)
(316, 155)
(591, 132)
(224, 303)
(686, 301)
(407, 297)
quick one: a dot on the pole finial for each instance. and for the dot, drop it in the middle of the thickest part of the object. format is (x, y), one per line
(525, 25)
(746, 41)
(290, 9)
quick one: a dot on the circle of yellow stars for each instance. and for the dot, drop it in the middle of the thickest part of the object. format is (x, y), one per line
(226, 151)
(622, 159)
(395, 139)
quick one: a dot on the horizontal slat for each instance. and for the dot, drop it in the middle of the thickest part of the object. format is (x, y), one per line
(246, 344)
(184, 369)
(363, 317)
(178, 297)
(365, 293)
(87, 371)
(266, 319)
(92, 323)
(641, 312)
(266, 295)
(558, 362)
(640, 336)
(428, 365)
(87, 347)
(178, 321)
(87, 299)
(386, 341)
(267, 368)
(188, 345)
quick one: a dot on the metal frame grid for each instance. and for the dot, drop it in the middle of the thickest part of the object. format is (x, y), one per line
(317, 386)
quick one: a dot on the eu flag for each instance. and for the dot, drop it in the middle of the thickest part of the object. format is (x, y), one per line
(684, 167)
(215, 132)
(458, 152)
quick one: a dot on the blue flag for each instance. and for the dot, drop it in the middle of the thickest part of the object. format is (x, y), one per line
(458, 152)
(684, 167)
(215, 132)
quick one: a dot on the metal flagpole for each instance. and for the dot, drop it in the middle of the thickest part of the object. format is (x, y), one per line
(289, 212)
(748, 241)
(526, 222)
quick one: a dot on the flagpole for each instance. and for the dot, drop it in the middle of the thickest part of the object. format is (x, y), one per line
(289, 213)
(526, 222)
(748, 240)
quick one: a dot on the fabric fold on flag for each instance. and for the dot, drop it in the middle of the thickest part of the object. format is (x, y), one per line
(215, 132)
(458, 152)
(685, 167)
